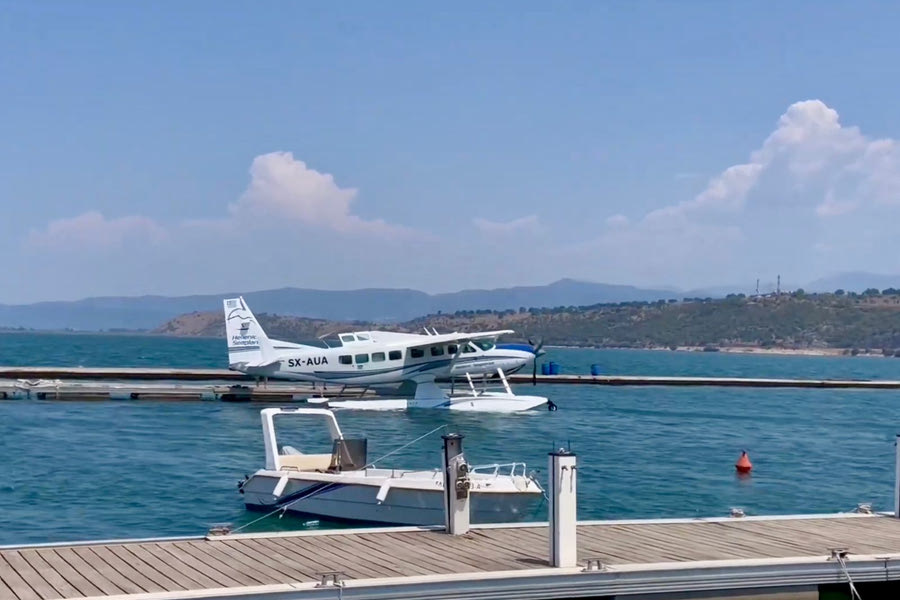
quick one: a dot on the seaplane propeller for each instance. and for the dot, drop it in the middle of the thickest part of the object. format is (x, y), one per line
(537, 352)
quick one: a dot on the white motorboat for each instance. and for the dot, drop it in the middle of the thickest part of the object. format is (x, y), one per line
(341, 485)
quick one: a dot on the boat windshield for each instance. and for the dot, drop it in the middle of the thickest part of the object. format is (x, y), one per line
(302, 435)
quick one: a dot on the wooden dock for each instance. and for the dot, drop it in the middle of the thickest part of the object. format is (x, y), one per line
(235, 377)
(755, 556)
(277, 392)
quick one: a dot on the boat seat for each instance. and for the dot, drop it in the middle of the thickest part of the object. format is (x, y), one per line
(305, 462)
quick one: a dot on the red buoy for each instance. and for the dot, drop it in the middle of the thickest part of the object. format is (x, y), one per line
(743, 465)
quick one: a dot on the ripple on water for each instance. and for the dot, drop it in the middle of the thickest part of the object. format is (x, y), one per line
(123, 469)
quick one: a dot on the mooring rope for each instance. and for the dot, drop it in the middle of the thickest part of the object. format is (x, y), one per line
(283, 509)
(853, 592)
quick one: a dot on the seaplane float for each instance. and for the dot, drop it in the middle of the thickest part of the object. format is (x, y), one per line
(342, 485)
(376, 359)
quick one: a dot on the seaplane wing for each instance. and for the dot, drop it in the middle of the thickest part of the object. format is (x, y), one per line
(457, 338)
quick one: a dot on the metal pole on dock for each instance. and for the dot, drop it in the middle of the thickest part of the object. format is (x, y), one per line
(562, 508)
(456, 486)
(897, 477)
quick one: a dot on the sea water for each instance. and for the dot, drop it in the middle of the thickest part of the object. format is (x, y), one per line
(84, 470)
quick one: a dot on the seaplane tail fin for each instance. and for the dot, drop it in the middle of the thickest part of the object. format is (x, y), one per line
(248, 345)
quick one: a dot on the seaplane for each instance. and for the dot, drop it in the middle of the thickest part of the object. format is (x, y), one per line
(385, 358)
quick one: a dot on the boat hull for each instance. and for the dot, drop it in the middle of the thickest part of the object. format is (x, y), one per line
(350, 501)
(485, 402)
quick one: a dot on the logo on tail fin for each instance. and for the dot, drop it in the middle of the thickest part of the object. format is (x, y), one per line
(241, 338)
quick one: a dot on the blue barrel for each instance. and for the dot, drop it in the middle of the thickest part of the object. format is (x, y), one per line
(554, 368)
(595, 370)
(545, 369)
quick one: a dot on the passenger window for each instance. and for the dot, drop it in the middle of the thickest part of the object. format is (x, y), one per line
(395, 355)
(362, 358)
(345, 359)
(436, 350)
(416, 352)
(347, 337)
(362, 337)
(378, 357)
(452, 349)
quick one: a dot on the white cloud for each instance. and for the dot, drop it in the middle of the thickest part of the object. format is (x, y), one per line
(93, 230)
(282, 191)
(812, 184)
(529, 223)
(617, 221)
(282, 187)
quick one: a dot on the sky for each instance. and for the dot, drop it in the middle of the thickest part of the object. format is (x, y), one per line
(203, 147)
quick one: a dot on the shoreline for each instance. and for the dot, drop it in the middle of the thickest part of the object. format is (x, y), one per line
(739, 350)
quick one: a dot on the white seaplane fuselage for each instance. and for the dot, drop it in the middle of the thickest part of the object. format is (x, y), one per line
(383, 358)
(380, 357)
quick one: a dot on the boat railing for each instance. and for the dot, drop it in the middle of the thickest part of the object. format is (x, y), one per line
(510, 469)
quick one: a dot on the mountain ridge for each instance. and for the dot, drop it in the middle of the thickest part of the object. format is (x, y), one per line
(366, 304)
(376, 305)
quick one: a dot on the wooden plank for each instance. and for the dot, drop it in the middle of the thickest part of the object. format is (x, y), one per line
(494, 553)
(5, 592)
(291, 567)
(59, 583)
(313, 551)
(631, 545)
(165, 558)
(289, 556)
(386, 561)
(719, 536)
(813, 540)
(30, 575)
(223, 562)
(220, 579)
(107, 571)
(245, 564)
(489, 545)
(656, 545)
(118, 558)
(89, 572)
(76, 579)
(236, 577)
(141, 554)
(14, 581)
(694, 543)
(454, 561)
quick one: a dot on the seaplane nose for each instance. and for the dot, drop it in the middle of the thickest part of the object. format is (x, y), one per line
(525, 350)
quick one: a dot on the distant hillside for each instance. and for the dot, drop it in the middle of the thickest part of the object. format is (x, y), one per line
(856, 281)
(795, 320)
(376, 305)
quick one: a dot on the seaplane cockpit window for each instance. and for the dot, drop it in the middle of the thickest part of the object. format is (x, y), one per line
(468, 348)
(395, 355)
(361, 358)
(345, 359)
(362, 337)
(436, 350)
(416, 352)
(347, 337)
(452, 349)
(378, 357)
(485, 344)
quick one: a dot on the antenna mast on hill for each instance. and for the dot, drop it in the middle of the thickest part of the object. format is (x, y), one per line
(778, 286)
(757, 286)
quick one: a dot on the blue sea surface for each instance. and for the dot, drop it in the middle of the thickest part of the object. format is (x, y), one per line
(86, 470)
